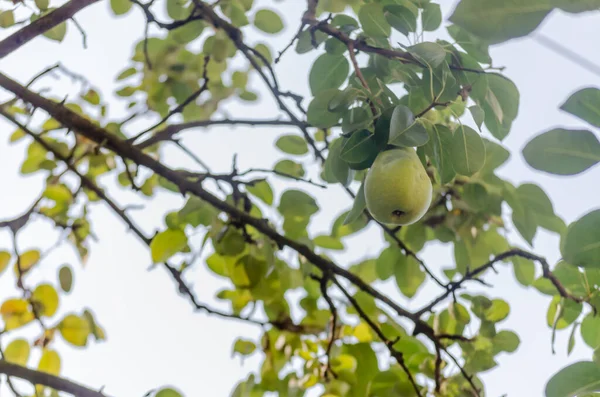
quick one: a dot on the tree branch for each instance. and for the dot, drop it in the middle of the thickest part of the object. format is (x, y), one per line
(170, 131)
(95, 133)
(472, 274)
(42, 378)
(45, 23)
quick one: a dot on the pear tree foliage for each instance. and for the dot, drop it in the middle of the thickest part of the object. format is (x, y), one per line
(375, 84)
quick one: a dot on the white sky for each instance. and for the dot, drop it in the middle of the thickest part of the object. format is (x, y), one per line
(153, 337)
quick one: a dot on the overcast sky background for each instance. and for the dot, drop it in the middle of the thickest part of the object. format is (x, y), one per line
(154, 338)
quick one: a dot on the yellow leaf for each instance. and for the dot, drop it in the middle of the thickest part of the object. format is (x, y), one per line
(15, 313)
(363, 333)
(51, 124)
(17, 352)
(27, 260)
(166, 244)
(49, 362)
(46, 296)
(4, 260)
(74, 330)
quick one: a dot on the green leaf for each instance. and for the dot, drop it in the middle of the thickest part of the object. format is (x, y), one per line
(373, 21)
(402, 118)
(268, 21)
(524, 270)
(244, 347)
(580, 246)
(176, 9)
(467, 151)
(356, 118)
(431, 17)
(478, 115)
(561, 313)
(473, 45)
(230, 243)
(439, 150)
(359, 148)
(166, 244)
(297, 203)
(500, 103)
(432, 54)
(328, 242)
(495, 156)
(120, 7)
(574, 380)
(343, 100)
(562, 151)
(367, 365)
(318, 114)
(292, 144)
(262, 190)
(499, 21)
(401, 18)
(584, 104)
(476, 196)
(336, 169)
(506, 341)
(42, 4)
(498, 311)
(409, 276)
(305, 40)
(17, 352)
(358, 206)
(327, 72)
(168, 392)
(7, 19)
(590, 330)
(415, 135)
(289, 167)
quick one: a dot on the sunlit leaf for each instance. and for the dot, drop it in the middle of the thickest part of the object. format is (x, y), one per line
(166, 244)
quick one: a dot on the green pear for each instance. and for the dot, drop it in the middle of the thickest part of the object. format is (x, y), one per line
(397, 188)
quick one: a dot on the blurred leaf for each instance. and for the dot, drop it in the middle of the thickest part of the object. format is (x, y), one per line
(562, 151)
(120, 7)
(467, 151)
(268, 21)
(318, 114)
(166, 244)
(584, 104)
(524, 270)
(292, 144)
(403, 18)
(328, 72)
(409, 276)
(373, 21)
(432, 54)
(358, 206)
(574, 379)
(580, 246)
(49, 362)
(46, 296)
(74, 330)
(262, 190)
(4, 260)
(290, 167)
(297, 203)
(497, 22)
(17, 352)
(244, 347)
(168, 392)
(431, 17)
(590, 330)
